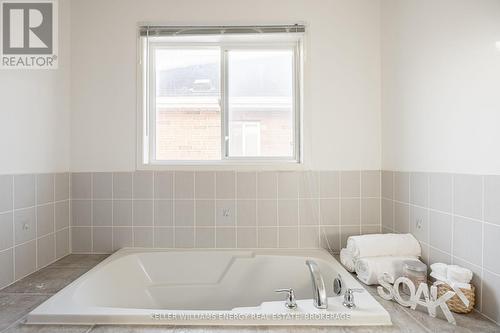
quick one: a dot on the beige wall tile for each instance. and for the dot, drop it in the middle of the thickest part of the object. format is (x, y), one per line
(246, 211)
(246, 185)
(309, 213)
(102, 239)
(467, 240)
(288, 237)
(6, 230)
(24, 225)
(205, 185)
(24, 191)
(329, 211)
(164, 185)
(6, 193)
(468, 196)
(46, 250)
(45, 188)
(123, 184)
(267, 185)
(102, 185)
(350, 184)
(7, 265)
(61, 214)
(81, 239)
(267, 237)
(25, 259)
(61, 186)
(370, 184)
(143, 185)
(164, 213)
(288, 185)
(225, 185)
(45, 219)
(81, 185)
(329, 184)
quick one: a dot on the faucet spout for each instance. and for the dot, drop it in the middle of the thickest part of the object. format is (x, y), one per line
(318, 285)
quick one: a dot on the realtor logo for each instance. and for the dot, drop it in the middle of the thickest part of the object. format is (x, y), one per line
(29, 34)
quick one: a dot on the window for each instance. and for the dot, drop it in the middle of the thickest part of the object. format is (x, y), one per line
(220, 98)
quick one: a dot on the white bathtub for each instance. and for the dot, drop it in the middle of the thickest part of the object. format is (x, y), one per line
(206, 287)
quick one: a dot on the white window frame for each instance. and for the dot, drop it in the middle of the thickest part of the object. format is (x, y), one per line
(146, 142)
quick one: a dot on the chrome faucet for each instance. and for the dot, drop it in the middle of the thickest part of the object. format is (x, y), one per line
(290, 298)
(319, 291)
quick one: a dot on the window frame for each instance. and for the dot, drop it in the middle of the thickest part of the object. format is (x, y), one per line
(146, 145)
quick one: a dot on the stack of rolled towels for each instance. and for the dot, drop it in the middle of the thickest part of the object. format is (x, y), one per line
(456, 277)
(452, 274)
(370, 256)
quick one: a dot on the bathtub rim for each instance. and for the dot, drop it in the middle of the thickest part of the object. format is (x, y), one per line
(40, 315)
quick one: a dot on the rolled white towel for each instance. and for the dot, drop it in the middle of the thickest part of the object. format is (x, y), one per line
(459, 274)
(439, 270)
(379, 245)
(346, 260)
(371, 268)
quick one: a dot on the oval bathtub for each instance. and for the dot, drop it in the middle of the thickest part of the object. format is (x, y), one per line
(207, 287)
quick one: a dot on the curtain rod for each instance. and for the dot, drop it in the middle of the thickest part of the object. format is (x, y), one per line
(159, 30)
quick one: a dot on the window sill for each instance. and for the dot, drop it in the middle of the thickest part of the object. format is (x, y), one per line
(225, 165)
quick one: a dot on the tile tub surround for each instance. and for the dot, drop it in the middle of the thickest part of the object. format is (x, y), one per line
(222, 209)
(456, 218)
(34, 223)
(17, 300)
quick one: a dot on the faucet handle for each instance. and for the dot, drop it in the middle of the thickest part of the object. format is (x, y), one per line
(338, 284)
(290, 298)
(349, 297)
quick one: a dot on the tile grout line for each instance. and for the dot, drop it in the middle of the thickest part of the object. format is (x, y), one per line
(153, 208)
(133, 209)
(482, 243)
(428, 203)
(236, 226)
(393, 200)
(91, 212)
(194, 210)
(70, 195)
(339, 237)
(299, 222)
(360, 203)
(256, 213)
(36, 222)
(54, 212)
(112, 211)
(318, 177)
(13, 231)
(215, 209)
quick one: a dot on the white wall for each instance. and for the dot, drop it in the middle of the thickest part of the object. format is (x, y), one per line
(35, 113)
(342, 74)
(441, 85)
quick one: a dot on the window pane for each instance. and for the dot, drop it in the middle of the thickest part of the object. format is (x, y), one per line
(188, 115)
(261, 117)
